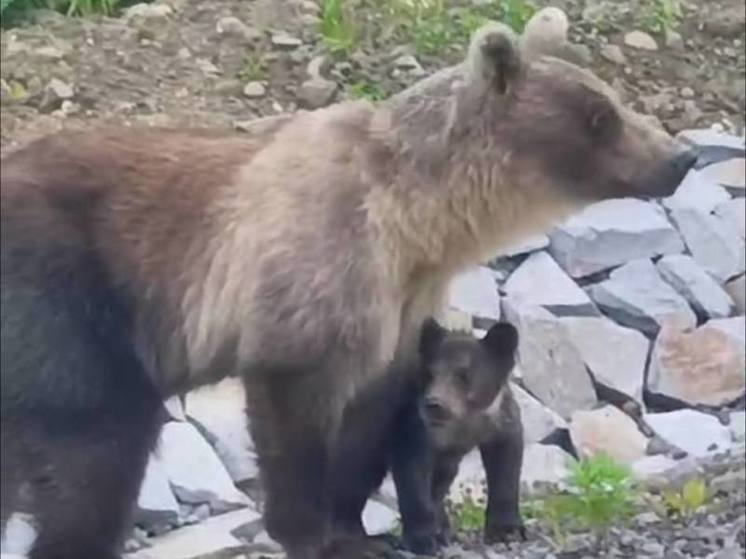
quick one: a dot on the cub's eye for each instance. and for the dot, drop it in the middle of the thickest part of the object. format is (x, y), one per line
(462, 377)
(603, 120)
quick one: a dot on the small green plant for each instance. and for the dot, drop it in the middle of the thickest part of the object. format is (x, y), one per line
(13, 11)
(364, 89)
(683, 503)
(468, 515)
(337, 27)
(662, 15)
(600, 494)
(253, 68)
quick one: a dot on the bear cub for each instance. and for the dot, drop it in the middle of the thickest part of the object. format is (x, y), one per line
(466, 403)
(419, 424)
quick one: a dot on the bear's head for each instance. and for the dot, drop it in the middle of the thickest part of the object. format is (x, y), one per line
(534, 134)
(464, 378)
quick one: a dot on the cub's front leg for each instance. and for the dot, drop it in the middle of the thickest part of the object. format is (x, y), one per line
(502, 457)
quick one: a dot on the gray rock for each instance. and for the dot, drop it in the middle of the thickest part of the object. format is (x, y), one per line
(19, 534)
(734, 328)
(710, 137)
(699, 366)
(475, 292)
(211, 539)
(697, 192)
(544, 466)
(738, 426)
(730, 173)
(285, 41)
(379, 518)
(218, 410)
(145, 11)
(552, 367)
(318, 66)
(156, 503)
(636, 296)
(60, 89)
(316, 93)
(715, 245)
(736, 288)
(609, 431)
(175, 408)
(194, 471)
(640, 40)
(407, 62)
(529, 244)
(540, 281)
(611, 233)
(733, 215)
(615, 355)
(538, 420)
(254, 90)
(702, 292)
(234, 27)
(699, 434)
(613, 54)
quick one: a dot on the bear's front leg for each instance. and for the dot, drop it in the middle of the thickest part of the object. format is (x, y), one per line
(502, 457)
(293, 419)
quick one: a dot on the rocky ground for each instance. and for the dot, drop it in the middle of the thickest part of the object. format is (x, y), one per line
(637, 350)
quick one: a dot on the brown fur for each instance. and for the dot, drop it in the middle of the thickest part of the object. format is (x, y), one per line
(340, 226)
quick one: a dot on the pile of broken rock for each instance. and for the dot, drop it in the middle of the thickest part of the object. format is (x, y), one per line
(631, 317)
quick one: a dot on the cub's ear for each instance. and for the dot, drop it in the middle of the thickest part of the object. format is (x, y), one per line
(501, 340)
(494, 57)
(431, 336)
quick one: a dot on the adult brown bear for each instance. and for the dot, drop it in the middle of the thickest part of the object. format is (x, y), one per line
(304, 256)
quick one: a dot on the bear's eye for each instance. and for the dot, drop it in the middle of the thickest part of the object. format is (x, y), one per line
(602, 120)
(462, 377)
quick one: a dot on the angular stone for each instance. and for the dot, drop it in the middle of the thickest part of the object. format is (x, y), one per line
(730, 173)
(283, 40)
(19, 535)
(156, 503)
(738, 426)
(175, 408)
(195, 472)
(717, 247)
(612, 233)
(543, 466)
(696, 433)
(540, 281)
(219, 411)
(475, 292)
(379, 518)
(699, 366)
(697, 192)
(552, 368)
(538, 420)
(640, 40)
(615, 355)
(211, 539)
(232, 26)
(702, 292)
(609, 431)
(733, 215)
(530, 244)
(143, 10)
(736, 288)
(709, 137)
(636, 296)
(254, 90)
(734, 328)
(613, 54)
(662, 472)
(316, 93)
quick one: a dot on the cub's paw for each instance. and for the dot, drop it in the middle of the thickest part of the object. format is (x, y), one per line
(504, 533)
(422, 544)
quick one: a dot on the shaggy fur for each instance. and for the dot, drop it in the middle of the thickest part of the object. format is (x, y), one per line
(141, 262)
(420, 426)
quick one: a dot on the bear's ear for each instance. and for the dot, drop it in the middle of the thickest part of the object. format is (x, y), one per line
(546, 34)
(431, 336)
(501, 340)
(494, 56)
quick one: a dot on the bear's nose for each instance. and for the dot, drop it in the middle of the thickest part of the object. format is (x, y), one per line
(435, 411)
(684, 161)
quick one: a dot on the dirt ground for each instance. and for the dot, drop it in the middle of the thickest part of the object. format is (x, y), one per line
(191, 65)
